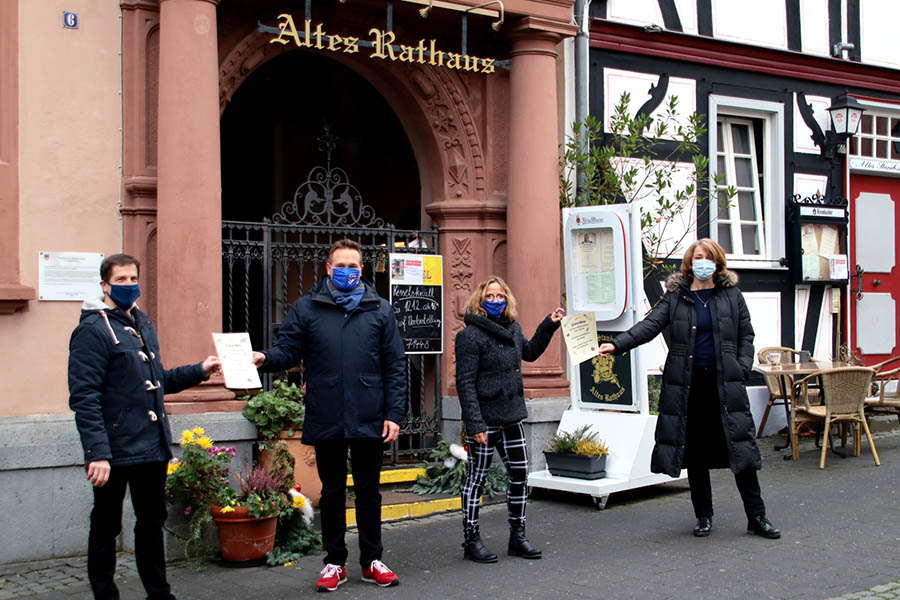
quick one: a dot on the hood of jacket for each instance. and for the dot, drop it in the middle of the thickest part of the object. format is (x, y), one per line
(676, 280)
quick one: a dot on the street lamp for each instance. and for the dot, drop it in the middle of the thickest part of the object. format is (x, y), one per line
(845, 114)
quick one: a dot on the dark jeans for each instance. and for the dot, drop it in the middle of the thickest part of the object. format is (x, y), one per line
(747, 484)
(365, 460)
(148, 496)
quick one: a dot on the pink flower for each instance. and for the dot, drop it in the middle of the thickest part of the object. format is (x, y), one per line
(187, 511)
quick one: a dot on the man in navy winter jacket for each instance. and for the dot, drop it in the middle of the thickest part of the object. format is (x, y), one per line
(116, 388)
(348, 339)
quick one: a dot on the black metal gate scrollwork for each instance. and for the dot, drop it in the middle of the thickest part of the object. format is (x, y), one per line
(268, 265)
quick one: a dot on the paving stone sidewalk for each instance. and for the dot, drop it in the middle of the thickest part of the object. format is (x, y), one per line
(841, 535)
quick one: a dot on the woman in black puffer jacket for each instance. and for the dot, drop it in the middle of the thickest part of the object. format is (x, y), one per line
(704, 414)
(489, 354)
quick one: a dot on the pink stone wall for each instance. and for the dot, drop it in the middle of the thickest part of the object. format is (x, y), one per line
(69, 152)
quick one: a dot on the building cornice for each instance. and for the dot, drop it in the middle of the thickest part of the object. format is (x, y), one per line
(617, 37)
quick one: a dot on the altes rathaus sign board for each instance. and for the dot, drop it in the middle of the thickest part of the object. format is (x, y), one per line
(380, 44)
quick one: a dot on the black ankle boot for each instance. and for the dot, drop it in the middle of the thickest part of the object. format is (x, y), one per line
(703, 527)
(519, 544)
(760, 525)
(474, 549)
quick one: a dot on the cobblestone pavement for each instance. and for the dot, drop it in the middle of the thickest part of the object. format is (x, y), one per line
(841, 534)
(887, 591)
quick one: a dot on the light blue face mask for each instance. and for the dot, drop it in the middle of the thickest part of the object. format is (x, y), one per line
(704, 268)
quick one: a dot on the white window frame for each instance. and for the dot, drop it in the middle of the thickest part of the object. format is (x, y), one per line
(735, 220)
(772, 185)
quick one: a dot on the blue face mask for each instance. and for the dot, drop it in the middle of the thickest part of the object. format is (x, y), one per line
(494, 309)
(345, 278)
(704, 269)
(124, 295)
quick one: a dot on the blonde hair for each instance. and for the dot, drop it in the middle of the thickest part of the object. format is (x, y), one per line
(473, 305)
(714, 251)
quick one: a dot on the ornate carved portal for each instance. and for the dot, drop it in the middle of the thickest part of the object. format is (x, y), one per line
(435, 107)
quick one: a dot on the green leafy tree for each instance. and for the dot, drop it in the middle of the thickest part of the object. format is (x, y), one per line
(633, 165)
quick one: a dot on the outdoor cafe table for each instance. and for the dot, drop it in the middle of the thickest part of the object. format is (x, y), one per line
(795, 371)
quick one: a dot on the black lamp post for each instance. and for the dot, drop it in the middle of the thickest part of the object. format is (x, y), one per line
(845, 114)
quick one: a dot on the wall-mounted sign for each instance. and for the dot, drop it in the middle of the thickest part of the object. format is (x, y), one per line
(891, 167)
(380, 44)
(69, 20)
(73, 276)
(418, 300)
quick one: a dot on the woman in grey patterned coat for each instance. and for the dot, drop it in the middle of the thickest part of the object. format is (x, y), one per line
(489, 354)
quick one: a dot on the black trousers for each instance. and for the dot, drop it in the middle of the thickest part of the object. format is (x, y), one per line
(148, 496)
(365, 460)
(706, 448)
(747, 484)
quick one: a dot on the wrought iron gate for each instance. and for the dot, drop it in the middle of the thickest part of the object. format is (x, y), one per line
(268, 265)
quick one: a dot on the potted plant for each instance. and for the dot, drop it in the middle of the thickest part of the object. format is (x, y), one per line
(198, 481)
(278, 416)
(245, 523)
(245, 517)
(577, 454)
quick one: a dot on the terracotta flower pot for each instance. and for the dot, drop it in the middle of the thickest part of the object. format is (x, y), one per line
(305, 472)
(243, 538)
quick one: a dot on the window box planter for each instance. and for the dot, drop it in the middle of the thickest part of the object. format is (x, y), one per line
(575, 465)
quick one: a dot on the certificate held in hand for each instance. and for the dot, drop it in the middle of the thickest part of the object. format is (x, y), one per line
(236, 354)
(580, 334)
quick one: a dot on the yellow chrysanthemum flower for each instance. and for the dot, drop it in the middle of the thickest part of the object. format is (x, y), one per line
(198, 431)
(172, 467)
(204, 441)
(299, 502)
(288, 564)
(227, 509)
(187, 437)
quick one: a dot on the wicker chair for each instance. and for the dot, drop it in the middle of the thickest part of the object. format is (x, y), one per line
(776, 396)
(887, 382)
(845, 392)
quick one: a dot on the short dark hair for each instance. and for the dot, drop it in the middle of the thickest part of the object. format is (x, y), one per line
(117, 260)
(345, 243)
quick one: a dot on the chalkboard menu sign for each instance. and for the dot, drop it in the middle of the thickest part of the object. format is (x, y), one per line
(417, 297)
(606, 381)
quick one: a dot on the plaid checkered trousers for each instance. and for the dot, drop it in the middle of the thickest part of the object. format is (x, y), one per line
(509, 440)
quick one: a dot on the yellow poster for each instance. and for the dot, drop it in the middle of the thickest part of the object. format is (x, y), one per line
(432, 275)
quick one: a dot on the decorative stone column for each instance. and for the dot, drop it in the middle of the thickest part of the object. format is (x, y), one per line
(189, 303)
(532, 213)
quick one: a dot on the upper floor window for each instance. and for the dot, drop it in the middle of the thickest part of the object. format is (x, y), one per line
(878, 137)
(740, 223)
(747, 152)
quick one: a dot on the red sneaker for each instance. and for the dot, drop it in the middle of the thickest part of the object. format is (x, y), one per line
(379, 574)
(331, 577)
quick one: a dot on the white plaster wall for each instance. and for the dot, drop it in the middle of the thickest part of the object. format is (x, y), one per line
(814, 26)
(878, 32)
(646, 12)
(763, 22)
(617, 81)
(803, 141)
(69, 180)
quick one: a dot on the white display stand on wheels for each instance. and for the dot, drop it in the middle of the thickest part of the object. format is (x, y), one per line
(603, 261)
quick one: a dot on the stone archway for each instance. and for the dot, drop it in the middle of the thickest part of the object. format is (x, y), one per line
(431, 104)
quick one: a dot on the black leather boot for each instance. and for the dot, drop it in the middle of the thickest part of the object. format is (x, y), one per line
(704, 527)
(519, 544)
(760, 525)
(474, 549)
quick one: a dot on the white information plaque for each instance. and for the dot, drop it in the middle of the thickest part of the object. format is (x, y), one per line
(72, 276)
(236, 354)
